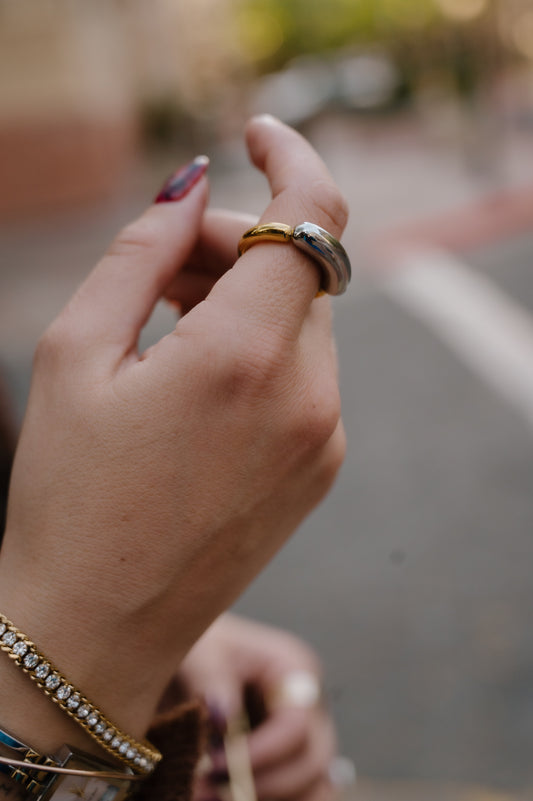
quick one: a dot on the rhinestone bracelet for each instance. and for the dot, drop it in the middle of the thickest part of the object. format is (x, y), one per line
(142, 757)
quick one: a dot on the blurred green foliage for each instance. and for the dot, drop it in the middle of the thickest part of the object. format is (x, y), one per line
(419, 38)
(279, 29)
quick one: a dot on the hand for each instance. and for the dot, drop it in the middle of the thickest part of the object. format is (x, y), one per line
(148, 489)
(290, 752)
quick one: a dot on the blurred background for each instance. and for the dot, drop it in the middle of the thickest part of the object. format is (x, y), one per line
(413, 579)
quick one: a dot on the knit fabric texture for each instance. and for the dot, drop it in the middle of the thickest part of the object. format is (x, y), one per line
(180, 736)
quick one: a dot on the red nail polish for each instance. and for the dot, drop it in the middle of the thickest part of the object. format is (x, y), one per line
(181, 183)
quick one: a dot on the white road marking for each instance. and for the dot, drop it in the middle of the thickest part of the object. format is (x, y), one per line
(489, 331)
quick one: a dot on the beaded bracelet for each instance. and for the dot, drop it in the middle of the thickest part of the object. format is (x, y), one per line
(142, 757)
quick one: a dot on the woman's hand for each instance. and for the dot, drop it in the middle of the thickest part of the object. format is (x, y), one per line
(292, 749)
(149, 488)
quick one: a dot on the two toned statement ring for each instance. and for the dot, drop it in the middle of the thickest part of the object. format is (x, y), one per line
(315, 242)
(297, 688)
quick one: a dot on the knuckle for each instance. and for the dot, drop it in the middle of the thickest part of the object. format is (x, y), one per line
(52, 345)
(319, 417)
(65, 339)
(330, 205)
(140, 235)
(256, 366)
(250, 378)
(333, 458)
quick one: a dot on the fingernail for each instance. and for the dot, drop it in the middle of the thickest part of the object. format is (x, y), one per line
(218, 726)
(267, 119)
(181, 183)
(220, 765)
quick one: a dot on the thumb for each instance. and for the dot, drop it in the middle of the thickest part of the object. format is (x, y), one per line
(224, 696)
(116, 300)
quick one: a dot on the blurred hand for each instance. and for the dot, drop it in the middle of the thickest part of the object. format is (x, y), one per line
(292, 749)
(149, 488)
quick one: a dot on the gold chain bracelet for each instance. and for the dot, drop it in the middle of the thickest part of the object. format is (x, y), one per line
(142, 757)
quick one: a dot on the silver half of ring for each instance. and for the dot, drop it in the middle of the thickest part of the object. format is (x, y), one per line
(328, 252)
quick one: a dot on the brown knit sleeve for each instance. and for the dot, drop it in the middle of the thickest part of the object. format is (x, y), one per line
(180, 735)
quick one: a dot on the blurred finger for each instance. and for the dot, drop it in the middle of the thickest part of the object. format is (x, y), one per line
(322, 790)
(342, 773)
(295, 777)
(283, 736)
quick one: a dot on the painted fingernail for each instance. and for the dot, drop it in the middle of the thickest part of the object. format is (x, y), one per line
(218, 726)
(181, 183)
(220, 764)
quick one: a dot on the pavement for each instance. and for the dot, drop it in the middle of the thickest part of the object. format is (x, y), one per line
(413, 579)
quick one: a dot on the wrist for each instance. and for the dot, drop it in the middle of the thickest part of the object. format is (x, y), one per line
(120, 652)
(93, 653)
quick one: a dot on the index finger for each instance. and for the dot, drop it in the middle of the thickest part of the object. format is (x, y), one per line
(272, 281)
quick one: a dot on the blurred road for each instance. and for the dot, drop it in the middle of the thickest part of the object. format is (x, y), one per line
(413, 579)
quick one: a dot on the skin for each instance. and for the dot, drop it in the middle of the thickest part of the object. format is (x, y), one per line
(150, 488)
(290, 751)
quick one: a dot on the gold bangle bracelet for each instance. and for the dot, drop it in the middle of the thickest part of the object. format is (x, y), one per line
(142, 757)
(37, 767)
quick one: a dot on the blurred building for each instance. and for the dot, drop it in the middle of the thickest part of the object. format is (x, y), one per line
(79, 80)
(66, 115)
(74, 77)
